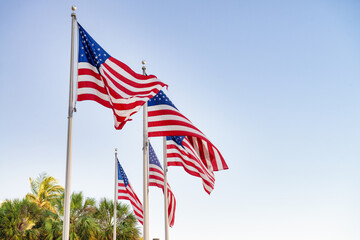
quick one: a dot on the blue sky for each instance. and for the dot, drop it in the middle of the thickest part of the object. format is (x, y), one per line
(274, 84)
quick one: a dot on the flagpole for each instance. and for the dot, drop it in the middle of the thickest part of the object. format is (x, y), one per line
(146, 167)
(66, 222)
(166, 201)
(115, 194)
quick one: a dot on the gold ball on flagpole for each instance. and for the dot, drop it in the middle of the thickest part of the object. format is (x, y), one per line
(144, 67)
(73, 8)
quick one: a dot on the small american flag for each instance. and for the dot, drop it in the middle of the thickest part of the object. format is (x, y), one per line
(156, 178)
(111, 83)
(126, 192)
(164, 119)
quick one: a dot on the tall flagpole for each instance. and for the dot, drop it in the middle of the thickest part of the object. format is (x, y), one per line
(146, 167)
(166, 201)
(115, 193)
(66, 222)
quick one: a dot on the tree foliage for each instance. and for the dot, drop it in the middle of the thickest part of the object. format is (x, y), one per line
(39, 215)
(17, 220)
(44, 191)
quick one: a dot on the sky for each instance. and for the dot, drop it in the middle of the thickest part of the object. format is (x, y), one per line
(273, 84)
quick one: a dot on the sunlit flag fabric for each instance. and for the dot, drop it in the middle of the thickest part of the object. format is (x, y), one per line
(126, 192)
(164, 119)
(111, 83)
(156, 178)
(180, 152)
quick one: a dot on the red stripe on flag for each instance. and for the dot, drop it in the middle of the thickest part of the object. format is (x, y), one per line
(95, 98)
(89, 72)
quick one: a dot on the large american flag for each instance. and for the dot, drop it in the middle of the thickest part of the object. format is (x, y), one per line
(111, 83)
(156, 178)
(164, 119)
(126, 192)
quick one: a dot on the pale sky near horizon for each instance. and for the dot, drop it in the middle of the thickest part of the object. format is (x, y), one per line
(273, 84)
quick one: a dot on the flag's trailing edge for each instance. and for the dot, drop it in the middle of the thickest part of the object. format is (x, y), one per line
(126, 192)
(111, 83)
(156, 178)
(164, 119)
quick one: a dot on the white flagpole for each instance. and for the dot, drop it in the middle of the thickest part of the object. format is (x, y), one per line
(146, 168)
(115, 193)
(66, 222)
(166, 201)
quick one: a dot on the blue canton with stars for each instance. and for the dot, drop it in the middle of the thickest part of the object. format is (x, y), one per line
(159, 99)
(89, 50)
(122, 175)
(177, 139)
(152, 157)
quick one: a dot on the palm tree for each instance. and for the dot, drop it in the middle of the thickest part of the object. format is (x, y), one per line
(127, 225)
(51, 227)
(126, 221)
(104, 216)
(126, 229)
(18, 219)
(39, 215)
(82, 222)
(44, 191)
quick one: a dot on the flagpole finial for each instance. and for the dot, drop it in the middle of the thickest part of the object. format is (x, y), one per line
(143, 67)
(73, 14)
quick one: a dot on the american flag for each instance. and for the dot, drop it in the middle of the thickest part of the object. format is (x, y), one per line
(126, 192)
(180, 152)
(164, 119)
(111, 83)
(156, 178)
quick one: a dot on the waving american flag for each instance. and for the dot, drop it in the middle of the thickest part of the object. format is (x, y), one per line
(126, 192)
(164, 119)
(181, 153)
(156, 178)
(111, 83)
